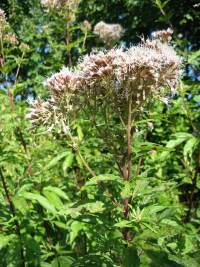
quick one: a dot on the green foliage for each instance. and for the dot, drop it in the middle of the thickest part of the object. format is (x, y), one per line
(53, 212)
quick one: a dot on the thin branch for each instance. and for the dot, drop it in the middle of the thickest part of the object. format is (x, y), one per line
(85, 163)
(194, 185)
(12, 210)
(138, 167)
(126, 232)
(17, 72)
(82, 158)
(68, 45)
(84, 40)
(2, 52)
(21, 137)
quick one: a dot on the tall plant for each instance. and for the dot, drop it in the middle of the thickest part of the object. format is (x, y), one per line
(111, 89)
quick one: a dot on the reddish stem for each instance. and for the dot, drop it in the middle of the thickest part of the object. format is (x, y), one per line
(127, 174)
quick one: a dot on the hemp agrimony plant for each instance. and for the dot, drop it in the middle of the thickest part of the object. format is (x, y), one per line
(114, 86)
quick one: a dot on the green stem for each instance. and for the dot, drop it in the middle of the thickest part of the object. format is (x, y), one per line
(84, 40)
(17, 72)
(85, 163)
(82, 158)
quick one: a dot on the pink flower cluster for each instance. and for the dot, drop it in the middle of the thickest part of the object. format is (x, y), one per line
(139, 73)
(2, 19)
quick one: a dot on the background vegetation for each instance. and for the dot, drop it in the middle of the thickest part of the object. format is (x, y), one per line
(52, 211)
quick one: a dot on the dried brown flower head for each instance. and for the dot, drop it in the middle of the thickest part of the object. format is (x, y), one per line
(108, 33)
(164, 35)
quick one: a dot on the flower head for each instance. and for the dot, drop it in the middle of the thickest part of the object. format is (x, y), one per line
(24, 47)
(68, 6)
(108, 33)
(63, 84)
(138, 73)
(48, 114)
(50, 4)
(11, 38)
(164, 35)
(86, 25)
(2, 19)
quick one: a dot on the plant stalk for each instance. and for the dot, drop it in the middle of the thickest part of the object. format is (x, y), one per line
(2, 52)
(127, 174)
(85, 163)
(68, 44)
(82, 158)
(12, 210)
(129, 128)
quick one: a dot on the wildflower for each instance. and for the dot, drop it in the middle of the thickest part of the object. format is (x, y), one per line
(63, 84)
(11, 38)
(24, 47)
(69, 7)
(2, 19)
(2, 15)
(50, 4)
(164, 35)
(138, 73)
(108, 33)
(86, 25)
(48, 114)
(96, 66)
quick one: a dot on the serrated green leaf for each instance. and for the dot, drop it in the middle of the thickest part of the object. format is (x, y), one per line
(123, 224)
(67, 163)
(41, 200)
(185, 261)
(180, 138)
(93, 207)
(45, 264)
(189, 246)
(4, 240)
(126, 191)
(103, 178)
(55, 160)
(169, 222)
(131, 258)
(76, 227)
(20, 204)
(189, 147)
(53, 199)
(62, 261)
(79, 161)
(58, 191)
(80, 133)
